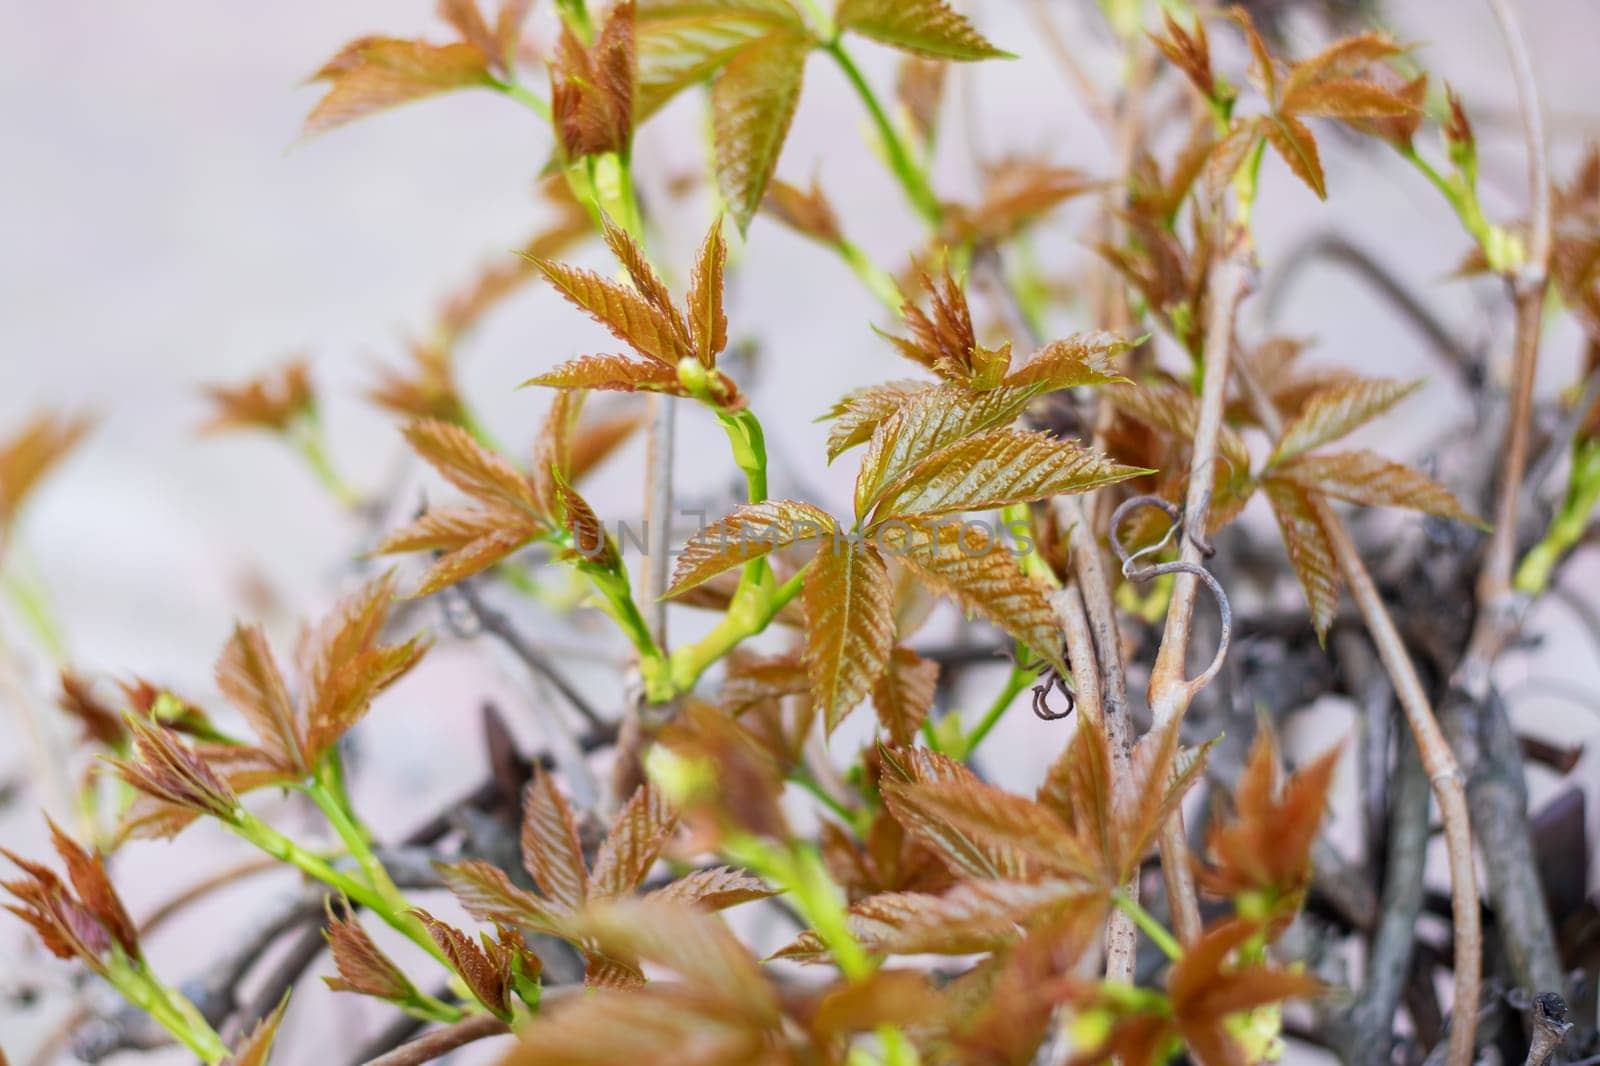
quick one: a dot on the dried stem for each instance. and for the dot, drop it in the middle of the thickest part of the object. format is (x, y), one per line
(1494, 580)
(205, 887)
(1550, 1027)
(1438, 762)
(1122, 943)
(440, 1042)
(658, 514)
(1170, 690)
(495, 623)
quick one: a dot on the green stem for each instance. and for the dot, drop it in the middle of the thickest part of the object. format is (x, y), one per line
(746, 617)
(133, 980)
(1146, 922)
(878, 281)
(280, 847)
(1018, 681)
(1018, 516)
(308, 441)
(1569, 523)
(855, 819)
(525, 96)
(1500, 248)
(901, 160)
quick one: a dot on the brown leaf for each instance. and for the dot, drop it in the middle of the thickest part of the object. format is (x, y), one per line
(753, 102)
(1189, 52)
(508, 26)
(630, 316)
(471, 539)
(1204, 991)
(100, 724)
(806, 211)
(642, 828)
(1337, 61)
(484, 968)
(465, 18)
(1310, 550)
(272, 401)
(849, 602)
(995, 469)
(486, 893)
(985, 831)
(919, 89)
(942, 338)
(597, 439)
(888, 997)
(1083, 359)
(471, 467)
(363, 968)
(166, 769)
(972, 568)
(612, 373)
(1368, 478)
(682, 42)
(427, 391)
(858, 415)
(633, 1026)
(751, 682)
(92, 885)
(591, 88)
(345, 665)
(1016, 193)
(714, 889)
(590, 542)
(1332, 412)
(1294, 143)
(903, 695)
(745, 780)
(1175, 413)
(927, 422)
(550, 848)
(749, 532)
(372, 74)
(30, 453)
(690, 942)
(1265, 848)
(248, 676)
(645, 281)
(1350, 98)
(1263, 69)
(256, 1047)
(708, 322)
(922, 27)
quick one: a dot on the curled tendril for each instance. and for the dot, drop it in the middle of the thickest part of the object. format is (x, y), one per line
(1133, 572)
(1051, 681)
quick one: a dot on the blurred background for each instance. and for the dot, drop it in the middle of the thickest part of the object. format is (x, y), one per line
(165, 225)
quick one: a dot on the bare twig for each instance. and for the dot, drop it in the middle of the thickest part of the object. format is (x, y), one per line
(1336, 248)
(1365, 1032)
(1494, 581)
(439, 1042)
(1438, 762)
(1122, 941)
(205, 887)
(494, 622)
(1550, 1027)
(658, 513)
(1094, 101)
(1170, 690)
